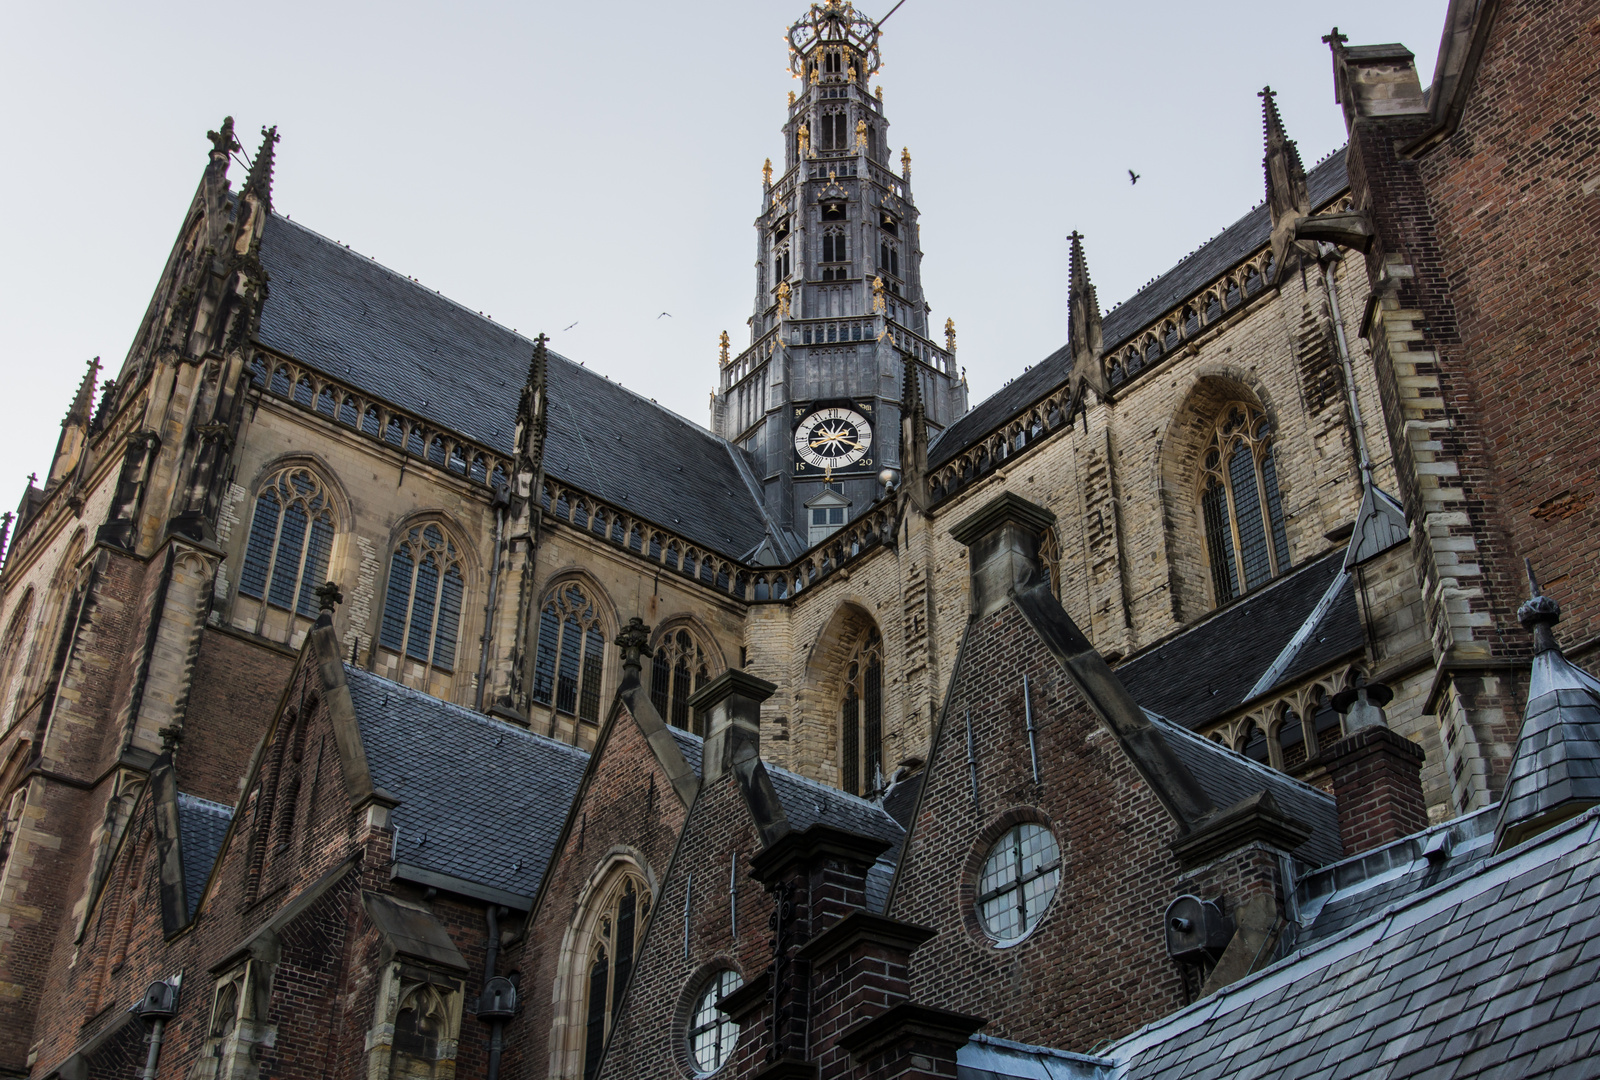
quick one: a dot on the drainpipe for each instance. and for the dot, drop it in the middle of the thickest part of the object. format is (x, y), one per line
(502, 497)
(160, 1004)
(1328, 255)
(499, 999)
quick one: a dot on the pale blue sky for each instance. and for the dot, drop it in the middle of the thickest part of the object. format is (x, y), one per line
(601, 163)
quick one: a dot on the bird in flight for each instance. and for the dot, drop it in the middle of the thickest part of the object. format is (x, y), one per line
(664, 314)
(1133, 177)
(565, 329)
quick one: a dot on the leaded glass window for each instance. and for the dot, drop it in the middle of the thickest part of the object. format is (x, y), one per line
(422, 610)
(1018, 882)
(677, 670)
(1240, 509)
(291, 536)
(712, 1032)
(861, 717)
(570, 657)
(611, 954)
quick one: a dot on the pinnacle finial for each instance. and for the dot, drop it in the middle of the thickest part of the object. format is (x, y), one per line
(905, 162)
(1540, 614)
(766, 174)
(1083, 304)
(328, 596)
(634, 641)
(722, 348)
(223, 141)
(950, 341)
(260, 179)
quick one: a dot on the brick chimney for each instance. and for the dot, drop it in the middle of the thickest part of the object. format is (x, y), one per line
(1377, 775)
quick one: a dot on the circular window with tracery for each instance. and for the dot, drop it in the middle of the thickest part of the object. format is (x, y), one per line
(712, 1033)
(1018, 882)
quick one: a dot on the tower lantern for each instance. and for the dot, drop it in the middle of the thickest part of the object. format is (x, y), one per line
(839, 309)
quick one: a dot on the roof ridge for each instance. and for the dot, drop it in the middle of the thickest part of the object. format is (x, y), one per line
(204, 804)
(462, 711)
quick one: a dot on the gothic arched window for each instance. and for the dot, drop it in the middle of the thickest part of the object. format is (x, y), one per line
(611, 954)
(861, 717)
(11, 651)
(678, 669)
(1239, 504)
(291, 536)
(422, 610)
(571, 654)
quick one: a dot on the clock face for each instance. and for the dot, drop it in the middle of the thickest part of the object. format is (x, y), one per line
(831, 439)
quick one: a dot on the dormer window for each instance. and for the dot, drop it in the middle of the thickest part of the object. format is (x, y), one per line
(826, 514)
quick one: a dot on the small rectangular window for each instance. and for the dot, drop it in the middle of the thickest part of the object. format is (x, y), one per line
(819, 516)
(836, 515)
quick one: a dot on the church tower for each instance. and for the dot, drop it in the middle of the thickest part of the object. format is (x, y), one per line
(839, 308)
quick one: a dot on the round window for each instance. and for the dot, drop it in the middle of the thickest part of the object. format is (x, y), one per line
(1019, 879)
(711, 1033)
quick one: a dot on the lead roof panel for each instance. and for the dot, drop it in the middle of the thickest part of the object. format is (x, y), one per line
(202, 825)
(350, 317)
(480, 800)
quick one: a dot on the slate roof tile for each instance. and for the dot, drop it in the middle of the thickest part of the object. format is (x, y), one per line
(1214, 258)
(480, 799)
(1180, 677)
(358, 321)
(202, 825)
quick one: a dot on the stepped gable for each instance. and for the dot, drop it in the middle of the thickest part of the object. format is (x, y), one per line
(809, 802)
(202, 825)
(1230, 247)
(1180, 678)
(479, 799)
(358, 321)
(1493, 973)
(1229, 778)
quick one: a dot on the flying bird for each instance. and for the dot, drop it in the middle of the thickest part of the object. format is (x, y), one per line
(566, 328)
(664, 314)
(1133, 177)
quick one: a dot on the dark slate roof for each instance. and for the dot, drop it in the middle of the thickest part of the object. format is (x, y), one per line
(351, 318)
(1227, 249)
(1230, 777)
(809, 802)
(1556, 767)
(985, 1057)
(202, 824)
(1334, 898)
(480, 800)
(1209, 669)
(1495, 973)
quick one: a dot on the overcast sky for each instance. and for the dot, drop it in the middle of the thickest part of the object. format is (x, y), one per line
(598, 164)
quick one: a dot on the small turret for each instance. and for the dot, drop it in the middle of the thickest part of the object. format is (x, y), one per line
(1555, 772)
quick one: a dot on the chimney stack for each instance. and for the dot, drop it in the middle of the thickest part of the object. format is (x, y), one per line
(1377, 775)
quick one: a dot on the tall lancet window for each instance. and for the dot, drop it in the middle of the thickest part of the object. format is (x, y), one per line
(612, 950)
(1239, 504)
(861, 717)
(422, 611)
(678, 669)
(570, 658)
(291, 536)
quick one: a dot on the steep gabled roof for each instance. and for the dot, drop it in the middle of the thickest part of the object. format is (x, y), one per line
(357, 321)
(480, 800)
(1181, 679)
(1214, 258)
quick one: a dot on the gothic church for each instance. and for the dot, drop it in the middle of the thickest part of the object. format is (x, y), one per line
(383, 694)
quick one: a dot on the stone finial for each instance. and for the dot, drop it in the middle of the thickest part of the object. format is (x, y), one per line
(879, 303)
(950, 342)
(791, 99)
(905, 162)
(1539, 614)
(5, 532)
(328, 596)
(1362, 705)
(879, 91)
(171, 737)
(766, 174)
(1083, 317)
(223, 142)
(259, 182)
(634, 641)
(783, 299)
